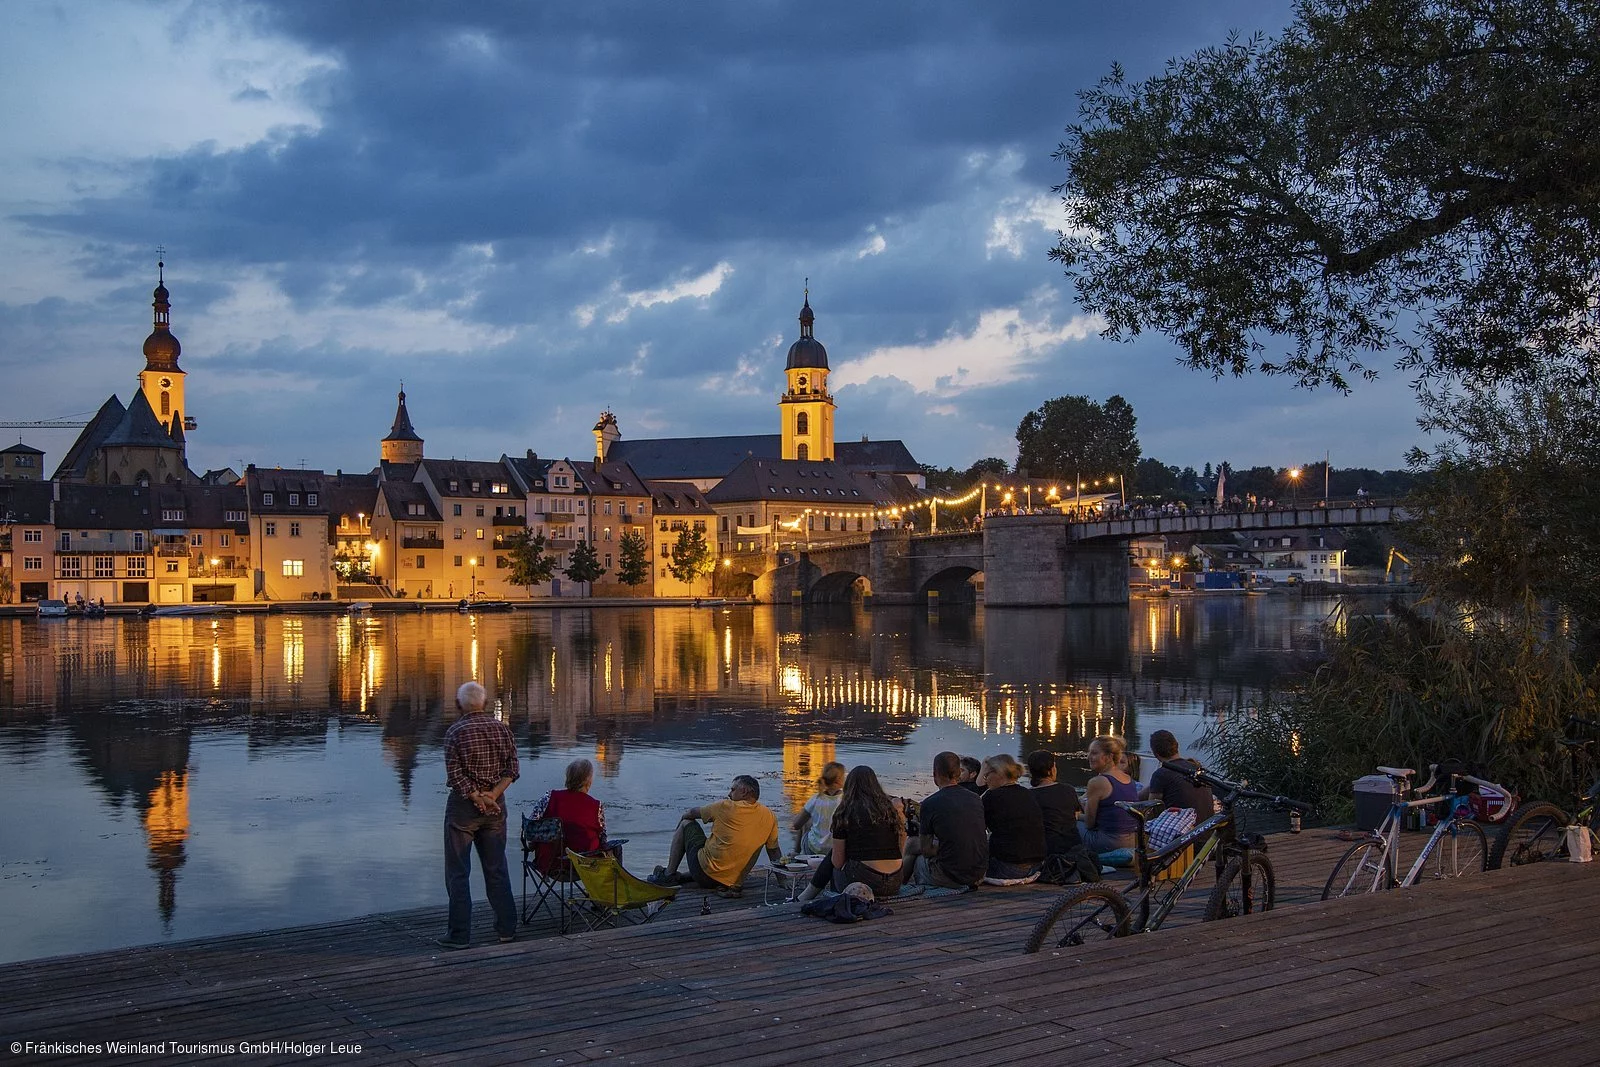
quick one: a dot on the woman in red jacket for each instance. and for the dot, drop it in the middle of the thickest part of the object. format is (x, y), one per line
(583, 818)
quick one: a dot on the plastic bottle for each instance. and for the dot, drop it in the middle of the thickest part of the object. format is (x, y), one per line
(1294, 822)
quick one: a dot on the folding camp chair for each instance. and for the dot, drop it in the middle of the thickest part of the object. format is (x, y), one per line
(552, 884)
(610, 894)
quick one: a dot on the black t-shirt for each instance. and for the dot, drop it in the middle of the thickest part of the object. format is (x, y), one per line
(1176, 791)
(874, 841)
(1016, 825)
(955, 816)
(1059, 805)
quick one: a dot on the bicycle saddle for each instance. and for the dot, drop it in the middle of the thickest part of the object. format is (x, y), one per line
(1397, 772)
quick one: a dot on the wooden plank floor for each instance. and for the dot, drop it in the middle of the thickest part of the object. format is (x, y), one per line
(1490, 969)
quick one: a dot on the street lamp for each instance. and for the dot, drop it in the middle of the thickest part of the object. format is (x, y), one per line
(727, 564)
(473, 590)
(1294, 486)
(214, 562)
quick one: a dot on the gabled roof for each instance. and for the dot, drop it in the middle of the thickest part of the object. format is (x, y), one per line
(108, 507)
(1299, 540)
(26, 501)
(813, 484)
(679, 498)
(528, 472)
(693, 457)
(892, 457)
(280, 483)
(400, 495)
(75, 464)
(22, 449)
(610, 478)
(352, 495)
(441, 472)
(140, 428)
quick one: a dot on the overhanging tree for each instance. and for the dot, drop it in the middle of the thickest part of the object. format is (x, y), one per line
(530, 566)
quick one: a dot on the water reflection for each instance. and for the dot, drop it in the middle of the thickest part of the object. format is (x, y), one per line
(262, 770)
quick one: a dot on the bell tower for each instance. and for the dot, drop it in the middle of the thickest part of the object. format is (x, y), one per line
(806, 409)
(161, 381)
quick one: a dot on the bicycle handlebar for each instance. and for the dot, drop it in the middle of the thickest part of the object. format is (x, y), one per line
(1236, 790)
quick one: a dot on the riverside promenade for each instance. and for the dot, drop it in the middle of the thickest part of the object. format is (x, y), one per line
(1495, 969)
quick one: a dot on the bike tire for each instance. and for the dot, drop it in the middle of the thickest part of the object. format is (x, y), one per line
(1360, 870)
(1229, 897)
(1533, 834)
(1088, 913)
(1462, 850)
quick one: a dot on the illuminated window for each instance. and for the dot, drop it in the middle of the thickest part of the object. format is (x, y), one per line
(294, 568)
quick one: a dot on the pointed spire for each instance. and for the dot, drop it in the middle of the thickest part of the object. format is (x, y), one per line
(177, 428)
(807, 316)
(161, 349)
(402, 429)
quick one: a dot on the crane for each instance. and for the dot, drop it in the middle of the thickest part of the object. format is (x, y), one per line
(1388, 568)
(46, 424)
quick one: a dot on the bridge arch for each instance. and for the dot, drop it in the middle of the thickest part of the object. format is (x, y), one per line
(840, 587)
(954, 585)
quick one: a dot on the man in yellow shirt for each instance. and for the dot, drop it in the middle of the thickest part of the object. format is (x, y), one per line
(740, 827)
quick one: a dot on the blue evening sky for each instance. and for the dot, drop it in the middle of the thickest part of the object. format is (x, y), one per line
(530, 212)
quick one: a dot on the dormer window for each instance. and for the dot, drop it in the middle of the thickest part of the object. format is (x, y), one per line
(499, 487)
(311, 500)
(294, 500)
(455, 486)
(475, 486)
(266, 500)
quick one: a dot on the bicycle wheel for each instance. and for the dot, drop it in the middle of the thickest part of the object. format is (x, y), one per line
(1230, 896)
(1461, 850)
(1532, 834)
(1088, 913)
(1360, 870)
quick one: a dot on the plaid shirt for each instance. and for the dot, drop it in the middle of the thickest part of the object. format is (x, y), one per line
(479, 751)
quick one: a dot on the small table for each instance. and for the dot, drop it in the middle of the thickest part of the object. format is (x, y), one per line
(789, 879)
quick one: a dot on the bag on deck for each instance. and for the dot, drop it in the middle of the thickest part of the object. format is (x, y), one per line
(1170, 825)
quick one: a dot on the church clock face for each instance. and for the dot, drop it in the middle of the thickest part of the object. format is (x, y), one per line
(166, 383)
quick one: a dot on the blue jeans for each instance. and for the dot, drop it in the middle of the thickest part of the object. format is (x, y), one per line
(466, 828)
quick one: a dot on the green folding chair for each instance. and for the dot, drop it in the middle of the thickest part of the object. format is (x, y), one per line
(611, 896)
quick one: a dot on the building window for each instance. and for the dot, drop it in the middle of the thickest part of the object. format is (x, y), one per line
(138, 541)
(802, 425)
(476, 487)
(72, 566)
(455, 486)
(480, 535)
(608, 533)
(803, 452)
(137, 567)
(233, 516)
(166, 403)
(224, 540)
(272, 529)
(459, 533)
(458, 561)
(64, 541)
(500, 563)
(499, 487)
(172, 566)
(311, 500)
(641, 507)
(105, 566)
(479, 510)
(33, 563)
(663, 525)
(422, 562)
(266, 500)
(294, 500)
(608, 561)
(294, 568)
(455, 509)
(294, 529)
(608, 507)
(33, 537)
(197, 540)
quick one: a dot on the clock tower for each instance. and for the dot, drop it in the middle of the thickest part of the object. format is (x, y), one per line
(161, 381)
(807, 406)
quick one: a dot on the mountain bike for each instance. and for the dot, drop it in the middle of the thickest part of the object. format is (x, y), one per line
(1538, 830)
(1245, 880)
(1456, 847)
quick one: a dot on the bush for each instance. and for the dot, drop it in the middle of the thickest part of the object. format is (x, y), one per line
(1412, 688)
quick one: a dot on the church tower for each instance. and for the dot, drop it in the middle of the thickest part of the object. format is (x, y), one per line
(606, 434)
(807, 408)
(402, 445)
(161, 381)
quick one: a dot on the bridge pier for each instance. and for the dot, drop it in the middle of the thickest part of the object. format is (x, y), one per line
(1028, 561)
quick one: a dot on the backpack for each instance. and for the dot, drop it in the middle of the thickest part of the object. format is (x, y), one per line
(1170, 825)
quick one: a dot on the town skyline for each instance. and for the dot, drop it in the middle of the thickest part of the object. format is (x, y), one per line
(568, 216)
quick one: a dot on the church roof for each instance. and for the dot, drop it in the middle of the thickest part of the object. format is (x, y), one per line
(75, 464)
(890, 457)
(812, 483)
(402, 429)
(693, 457)
(139, 428)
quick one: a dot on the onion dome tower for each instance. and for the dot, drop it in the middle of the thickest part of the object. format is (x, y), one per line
(402, 445)
(161, 381)
(807, 408)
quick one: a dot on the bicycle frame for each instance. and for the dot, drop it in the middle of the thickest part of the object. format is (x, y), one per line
(1388, 833)
(1214, 836)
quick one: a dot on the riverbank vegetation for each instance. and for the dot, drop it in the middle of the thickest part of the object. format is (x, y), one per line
(1410, 180)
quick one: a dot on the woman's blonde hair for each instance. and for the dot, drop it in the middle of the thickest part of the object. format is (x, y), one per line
(1006, 765)
(832, 779)
(579, 772)
(1111, 745)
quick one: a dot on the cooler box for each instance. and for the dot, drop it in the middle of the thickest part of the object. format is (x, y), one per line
(1374, 796)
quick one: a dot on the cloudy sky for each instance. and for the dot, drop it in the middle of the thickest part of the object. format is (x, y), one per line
(530, 212)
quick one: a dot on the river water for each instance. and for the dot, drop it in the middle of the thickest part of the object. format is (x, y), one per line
(178, 777)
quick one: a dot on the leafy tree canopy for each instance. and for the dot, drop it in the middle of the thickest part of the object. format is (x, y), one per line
(1074, 437)
(689, 557)
(583, 563)
(1411, 176)
(632, 565)
(530, 565)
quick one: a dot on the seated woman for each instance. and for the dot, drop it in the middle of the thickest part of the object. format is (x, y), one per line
(869, 840)
(813, 827)
(583, 818)
(1016, 825)
(1106, 827)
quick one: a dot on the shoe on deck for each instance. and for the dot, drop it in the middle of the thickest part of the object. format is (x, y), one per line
(659, 876)
(731, 892)
(506, 939)
(448, 942)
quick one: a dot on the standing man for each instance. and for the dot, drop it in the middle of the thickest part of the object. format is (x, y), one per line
(952, 850)
(741, 827)
(480, 762)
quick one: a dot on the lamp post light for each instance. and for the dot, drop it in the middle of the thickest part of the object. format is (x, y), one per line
(214, 562)
(1294, 486)
(727, 574)
(472, 593)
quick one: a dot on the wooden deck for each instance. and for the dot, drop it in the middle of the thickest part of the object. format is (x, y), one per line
(1495, 970)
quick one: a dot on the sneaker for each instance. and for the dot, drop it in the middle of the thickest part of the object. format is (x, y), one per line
(732, 892)
(450, 942)
(660, 876)
(506, 939)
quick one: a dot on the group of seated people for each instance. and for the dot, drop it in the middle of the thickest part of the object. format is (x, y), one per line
(980, 823)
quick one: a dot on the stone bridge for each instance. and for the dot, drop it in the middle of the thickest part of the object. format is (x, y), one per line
(1026, 560)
